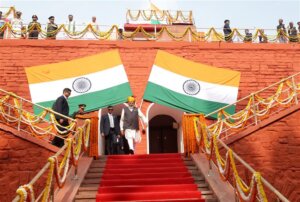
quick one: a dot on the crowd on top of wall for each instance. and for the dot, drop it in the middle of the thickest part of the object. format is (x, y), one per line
(52, 31)
(292, 32)
(18, 25)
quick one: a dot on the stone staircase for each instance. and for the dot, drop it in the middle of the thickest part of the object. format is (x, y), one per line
(89, 187)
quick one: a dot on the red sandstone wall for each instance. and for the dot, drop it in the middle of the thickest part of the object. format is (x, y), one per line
(275, 152)
(260, 64)
(20, 160)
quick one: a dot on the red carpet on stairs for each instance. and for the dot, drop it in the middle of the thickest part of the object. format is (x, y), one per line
(155, 177)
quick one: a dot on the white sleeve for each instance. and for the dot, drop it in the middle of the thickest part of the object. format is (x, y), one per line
(141, 115)
(122, 120)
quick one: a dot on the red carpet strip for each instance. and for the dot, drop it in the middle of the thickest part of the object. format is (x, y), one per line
(156, 177)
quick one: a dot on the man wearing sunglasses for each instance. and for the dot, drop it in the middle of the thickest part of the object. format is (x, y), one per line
(110, 129)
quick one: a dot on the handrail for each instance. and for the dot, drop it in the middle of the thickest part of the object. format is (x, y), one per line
(40, 106)
(248, 96)
(257, 108)
(38, 126)
(264, 181)
(71, 152)
(41, 172)
(14, 113)
(207, 137)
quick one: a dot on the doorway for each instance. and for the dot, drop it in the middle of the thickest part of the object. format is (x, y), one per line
(162, 135)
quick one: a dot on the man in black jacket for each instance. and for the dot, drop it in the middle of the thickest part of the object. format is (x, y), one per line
(110, 129)
(227, 31)
(80, 111)
(61, 106)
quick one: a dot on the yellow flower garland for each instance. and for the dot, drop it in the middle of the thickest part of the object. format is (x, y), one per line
(177, 37)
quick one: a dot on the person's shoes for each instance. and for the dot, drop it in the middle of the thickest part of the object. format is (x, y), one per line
(131, 151)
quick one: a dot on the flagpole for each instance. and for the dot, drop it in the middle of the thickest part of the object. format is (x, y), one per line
(141, 104)
(140, 109)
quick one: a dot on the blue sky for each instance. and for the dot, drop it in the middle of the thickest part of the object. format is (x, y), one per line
(242, 13)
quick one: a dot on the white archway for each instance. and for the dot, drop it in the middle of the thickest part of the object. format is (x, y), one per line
(157, 109)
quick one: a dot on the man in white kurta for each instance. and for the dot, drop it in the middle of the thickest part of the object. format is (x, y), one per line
(17, 25)
(70, 27)
(129, 123)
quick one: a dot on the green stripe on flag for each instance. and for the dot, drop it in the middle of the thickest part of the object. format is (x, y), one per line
(161, 95)
(95, 100)
(155, 22)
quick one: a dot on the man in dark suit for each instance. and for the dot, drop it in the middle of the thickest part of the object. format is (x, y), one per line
(61, 106)
(110, 129)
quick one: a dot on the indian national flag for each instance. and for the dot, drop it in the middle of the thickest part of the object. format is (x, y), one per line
(97, 81)
(158, 12)
(190, 86)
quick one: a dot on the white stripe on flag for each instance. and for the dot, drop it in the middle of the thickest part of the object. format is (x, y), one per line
(46, 91)
(208, 91)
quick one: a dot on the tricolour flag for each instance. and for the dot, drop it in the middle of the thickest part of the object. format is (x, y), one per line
(190, 86)
(97, 81)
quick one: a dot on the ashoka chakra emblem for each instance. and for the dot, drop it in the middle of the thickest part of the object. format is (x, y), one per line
(191, 87)
(82, 85)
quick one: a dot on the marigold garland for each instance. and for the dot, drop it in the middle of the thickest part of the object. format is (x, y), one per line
(207, 137)
(211, 33)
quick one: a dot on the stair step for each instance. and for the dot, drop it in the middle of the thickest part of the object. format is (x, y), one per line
(86, 195)
(153, 181)
(96, 170)
(195, 172)
(164, 200)
(149, 196)
(148, 170)
(144, 176)
(91, 181)
(196, 175)
(93, 175)
(99, 172)
(97, 166)
(89, 191)
(82, 189)
(92, 197)
(93, 188)
(125, 179)
(202, 185)
(99, 161)
(199, 179)
(207, 193)
(142, 158)
(89, 185)
(149, 188)
(192, 167)
(173, 200)
(145, 156)
(146, 165)
(141, 162)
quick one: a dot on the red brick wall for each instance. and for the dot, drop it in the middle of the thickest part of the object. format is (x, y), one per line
(275, 152)
(20, 161)
(260, 64)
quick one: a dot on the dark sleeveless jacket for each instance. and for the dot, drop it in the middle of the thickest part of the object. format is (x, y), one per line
(131, 119)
